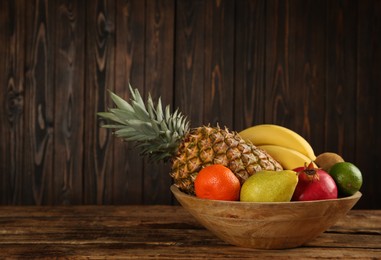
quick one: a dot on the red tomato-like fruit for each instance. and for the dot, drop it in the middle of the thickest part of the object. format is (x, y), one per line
(314, 184)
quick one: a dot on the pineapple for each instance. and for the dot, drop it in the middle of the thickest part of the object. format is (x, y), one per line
(162, 135)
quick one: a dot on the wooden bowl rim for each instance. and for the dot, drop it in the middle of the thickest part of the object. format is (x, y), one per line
(176, 191)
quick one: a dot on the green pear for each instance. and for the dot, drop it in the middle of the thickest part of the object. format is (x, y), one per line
(269, 186)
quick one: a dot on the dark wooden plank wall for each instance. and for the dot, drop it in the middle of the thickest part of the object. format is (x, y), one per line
(312, 66)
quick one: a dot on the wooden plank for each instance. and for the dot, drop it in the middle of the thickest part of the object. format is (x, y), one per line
(159, 82)
(69, 105)
(307, 61)
(190, 59)
(4, 155)
(135, 235)
(341, 78)
(288, 55)
(100, 48)
(249, 64)
(39, 104)
(368, 96)
(12, 63)
(366, 222)
(277, 89)
(175, 250)
(167, 232)
(359, 221)
(129, 68)
(295, 66)
(150, 214)
(219, 62)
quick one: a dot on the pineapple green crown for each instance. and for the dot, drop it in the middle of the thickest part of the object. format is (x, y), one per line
(155, 131)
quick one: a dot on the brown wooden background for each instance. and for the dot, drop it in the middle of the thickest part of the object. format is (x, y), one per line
(312, 66)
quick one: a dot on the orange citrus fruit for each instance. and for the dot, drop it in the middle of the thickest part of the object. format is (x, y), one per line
(217, 182)
(347, 176)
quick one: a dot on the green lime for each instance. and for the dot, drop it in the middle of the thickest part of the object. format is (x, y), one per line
(347, 176)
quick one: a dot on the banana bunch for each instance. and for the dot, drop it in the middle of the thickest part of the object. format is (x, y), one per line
(286, 146)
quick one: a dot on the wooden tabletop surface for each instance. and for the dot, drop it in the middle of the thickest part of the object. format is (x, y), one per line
(160, 232)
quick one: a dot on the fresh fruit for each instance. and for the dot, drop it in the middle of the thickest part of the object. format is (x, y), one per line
(347, 177)
(288, 158)
(270, 134)
(217, 182)
(269, 186)
(326, 160)
(314, 184)
(163, 135)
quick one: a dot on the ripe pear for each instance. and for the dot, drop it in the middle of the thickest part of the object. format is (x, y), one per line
(269, 186)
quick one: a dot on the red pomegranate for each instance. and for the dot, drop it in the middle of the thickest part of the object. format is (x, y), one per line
(314, 184)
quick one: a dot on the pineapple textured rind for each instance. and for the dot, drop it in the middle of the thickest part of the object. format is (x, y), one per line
(206, 145)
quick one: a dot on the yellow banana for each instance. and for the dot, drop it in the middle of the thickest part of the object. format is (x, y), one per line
(269, 134)
(288, 158)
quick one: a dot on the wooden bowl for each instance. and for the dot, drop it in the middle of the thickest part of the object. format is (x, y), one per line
(272, 225)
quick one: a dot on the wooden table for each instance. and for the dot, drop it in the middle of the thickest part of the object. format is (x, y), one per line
(162, 232)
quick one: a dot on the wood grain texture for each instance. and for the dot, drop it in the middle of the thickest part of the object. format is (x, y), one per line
(39, 103)
(295, 66)
(274, 225)
(307, 63)
(219, 63)
(249, 63)
(277, 78)
(159, 61)
(129, 59)
(100, 48)
(312, 66)
(12, 78)
(69, 106)
(340, 106)
(190, 59)
(367, 101)
(161, 232)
